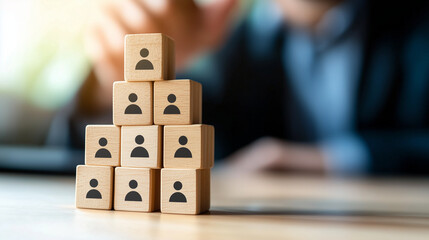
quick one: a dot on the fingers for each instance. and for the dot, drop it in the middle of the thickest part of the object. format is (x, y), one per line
(108, 64)
(120, 18)
(112, 30)
(104, 44)
(180, 19)
(105, 38)
(129, 15)
(263, 154)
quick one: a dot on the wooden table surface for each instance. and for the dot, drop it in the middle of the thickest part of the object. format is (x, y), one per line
(243, 207)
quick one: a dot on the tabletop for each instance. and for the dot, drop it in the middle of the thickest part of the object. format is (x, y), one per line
(271, 206)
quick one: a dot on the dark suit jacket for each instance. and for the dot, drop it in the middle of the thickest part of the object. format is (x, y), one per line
(392, 111)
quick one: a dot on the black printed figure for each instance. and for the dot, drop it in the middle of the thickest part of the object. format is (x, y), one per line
(93, 193)
(133, 108)
(102, 152)
(171, 109)
(177, 196)
(139, 151)
(133, 195)
(183, 152)
(144, 64)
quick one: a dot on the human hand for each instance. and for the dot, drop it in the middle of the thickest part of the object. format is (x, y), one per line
(275, 154)
(193, 27)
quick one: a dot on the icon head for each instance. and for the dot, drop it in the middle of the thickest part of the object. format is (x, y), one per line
(171, 98)
(144, 52)
(132, 97)
(183, 140)
(139, 139)
(102, 142)
(177, 185)
(133, 184)
(93, 183)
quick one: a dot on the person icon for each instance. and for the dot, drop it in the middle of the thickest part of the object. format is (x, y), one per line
(133, 108)
(93, 193)
(183, 152)
(102, 152)
(177, 196)
(139, 151)
(144, 64)
(133, 195)
(171, 109)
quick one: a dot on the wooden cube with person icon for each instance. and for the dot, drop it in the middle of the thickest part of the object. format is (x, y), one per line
(141, 146)
(138, 149)
(102, 145)
(137, 189)
(177, 102)
(94, 187)
(189, 146)
(185, 191)
(132, 103)
(149, 57)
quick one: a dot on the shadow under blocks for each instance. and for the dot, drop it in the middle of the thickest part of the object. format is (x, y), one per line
(157, 154)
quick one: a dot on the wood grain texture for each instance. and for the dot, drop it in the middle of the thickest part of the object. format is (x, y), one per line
(132, 148)
(146, 185)
(102, 145)
(130, 97)
(160, 54)
(194, 186)
(90, 193)
(187, 99)
(253, 207)
(200, 143)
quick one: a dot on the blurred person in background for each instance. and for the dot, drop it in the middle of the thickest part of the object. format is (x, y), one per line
(337, 86)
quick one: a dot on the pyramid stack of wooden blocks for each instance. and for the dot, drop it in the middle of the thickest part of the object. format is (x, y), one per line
(157, 155)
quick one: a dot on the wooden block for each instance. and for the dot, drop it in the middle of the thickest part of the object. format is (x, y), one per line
(149, 57)
(102, 145)
(94, 187)
(189, 146)
(141, 146)
(132, 103)
(177, 102)
(137, 189)
(185, 191)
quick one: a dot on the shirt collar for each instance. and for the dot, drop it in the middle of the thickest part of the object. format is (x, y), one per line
(266, 19)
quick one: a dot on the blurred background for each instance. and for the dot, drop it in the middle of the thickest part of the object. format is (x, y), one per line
(335, 87)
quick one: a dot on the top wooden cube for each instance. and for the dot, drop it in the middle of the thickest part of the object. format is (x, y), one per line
(149, 57)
